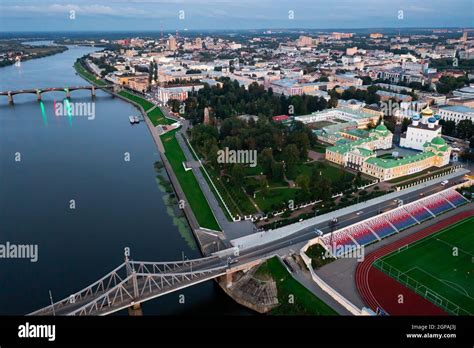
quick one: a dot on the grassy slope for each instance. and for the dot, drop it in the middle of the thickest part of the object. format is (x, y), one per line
(305, 303)
(87, 75)
(189, 184)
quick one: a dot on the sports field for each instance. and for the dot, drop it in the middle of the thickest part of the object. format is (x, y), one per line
(439, 267)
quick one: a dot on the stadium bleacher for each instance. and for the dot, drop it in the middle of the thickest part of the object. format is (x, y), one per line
(455, 197)
(361, 233)
(380, 226)
(400, 219)
(437, 204)
(418, 211)
(339, 239)
(384, 225)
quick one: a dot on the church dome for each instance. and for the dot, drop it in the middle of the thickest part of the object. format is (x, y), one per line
(438, 141)
(427, 112)
(381, 127)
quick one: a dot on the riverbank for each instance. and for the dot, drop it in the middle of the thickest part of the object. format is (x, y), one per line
(205, 227)
(25, 52)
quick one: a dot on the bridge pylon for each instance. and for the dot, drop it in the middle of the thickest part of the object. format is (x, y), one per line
(38, 95)
(93, 92)
(10, 98)
(68, 93)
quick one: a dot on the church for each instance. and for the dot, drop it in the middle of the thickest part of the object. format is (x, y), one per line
(424, 128)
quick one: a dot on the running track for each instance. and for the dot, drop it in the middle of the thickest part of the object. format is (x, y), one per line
(379, 290)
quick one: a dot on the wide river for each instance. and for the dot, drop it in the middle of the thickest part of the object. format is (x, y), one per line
(50, 163)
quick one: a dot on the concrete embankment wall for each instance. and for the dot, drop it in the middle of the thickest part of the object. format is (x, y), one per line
(191, 218)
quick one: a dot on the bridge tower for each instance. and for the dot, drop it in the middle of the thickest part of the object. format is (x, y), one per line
(68, 93)
(38, 95)
(10, 98)
(93, 92)
(135, 309)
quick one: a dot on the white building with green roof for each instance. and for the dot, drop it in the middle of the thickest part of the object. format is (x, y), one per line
(435, 154)
(357, 146)
(356, 150)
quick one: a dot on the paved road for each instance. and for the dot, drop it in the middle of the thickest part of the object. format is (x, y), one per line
(307, 227)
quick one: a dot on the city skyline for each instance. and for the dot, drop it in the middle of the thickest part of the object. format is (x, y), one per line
(155, 15)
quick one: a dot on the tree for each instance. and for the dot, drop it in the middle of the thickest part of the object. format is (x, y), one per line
(302, 181)
(449, 127)
(405, 123)
(332, 102)
(277, 171)
(155, 71)
(238, 174)
(264, 186)
(266, 161)
(291, 159)
(325, 189)
(150, 72)
(464, 129)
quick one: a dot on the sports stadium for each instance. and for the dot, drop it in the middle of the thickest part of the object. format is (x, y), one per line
(418, 259)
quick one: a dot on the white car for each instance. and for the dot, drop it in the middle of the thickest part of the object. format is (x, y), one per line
(359, 213)
(444, 182)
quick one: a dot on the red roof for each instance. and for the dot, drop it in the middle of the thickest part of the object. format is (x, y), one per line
(280, 118)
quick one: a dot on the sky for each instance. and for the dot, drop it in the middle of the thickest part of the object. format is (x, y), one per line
(119, 15)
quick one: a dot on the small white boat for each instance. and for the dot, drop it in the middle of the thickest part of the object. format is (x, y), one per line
(131, 119)
(136, 119)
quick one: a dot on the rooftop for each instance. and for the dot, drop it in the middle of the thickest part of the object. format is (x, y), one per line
(392, 163)
(457, 108)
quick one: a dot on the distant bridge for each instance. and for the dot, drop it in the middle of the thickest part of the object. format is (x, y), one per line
(39, 91)
(134, 282)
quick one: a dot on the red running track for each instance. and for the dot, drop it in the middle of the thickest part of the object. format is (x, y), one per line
(380, 290)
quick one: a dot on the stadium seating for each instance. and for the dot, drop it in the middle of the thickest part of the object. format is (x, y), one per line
(400, 219)
(455, 197)
(361, 233)
(381, 227)
(340, 238)
(437, 204)
(418, 211)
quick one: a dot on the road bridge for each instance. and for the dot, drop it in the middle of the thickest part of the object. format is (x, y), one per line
(40, 91)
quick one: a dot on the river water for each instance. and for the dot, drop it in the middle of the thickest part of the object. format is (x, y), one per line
(50, 164)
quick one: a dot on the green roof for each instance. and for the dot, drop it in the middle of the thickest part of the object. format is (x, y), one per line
(343, 148)
(438, 141)
(365, 152)
(360, 133)
(381, 127)
(392, 163)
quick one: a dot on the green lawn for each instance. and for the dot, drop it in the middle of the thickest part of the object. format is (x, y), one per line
(305, 303)
(229, 218)
(434, 269)
(275, 198)
(156, 117)
(188, 182)
(87, 75)
(139, 100)
(333, 173)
